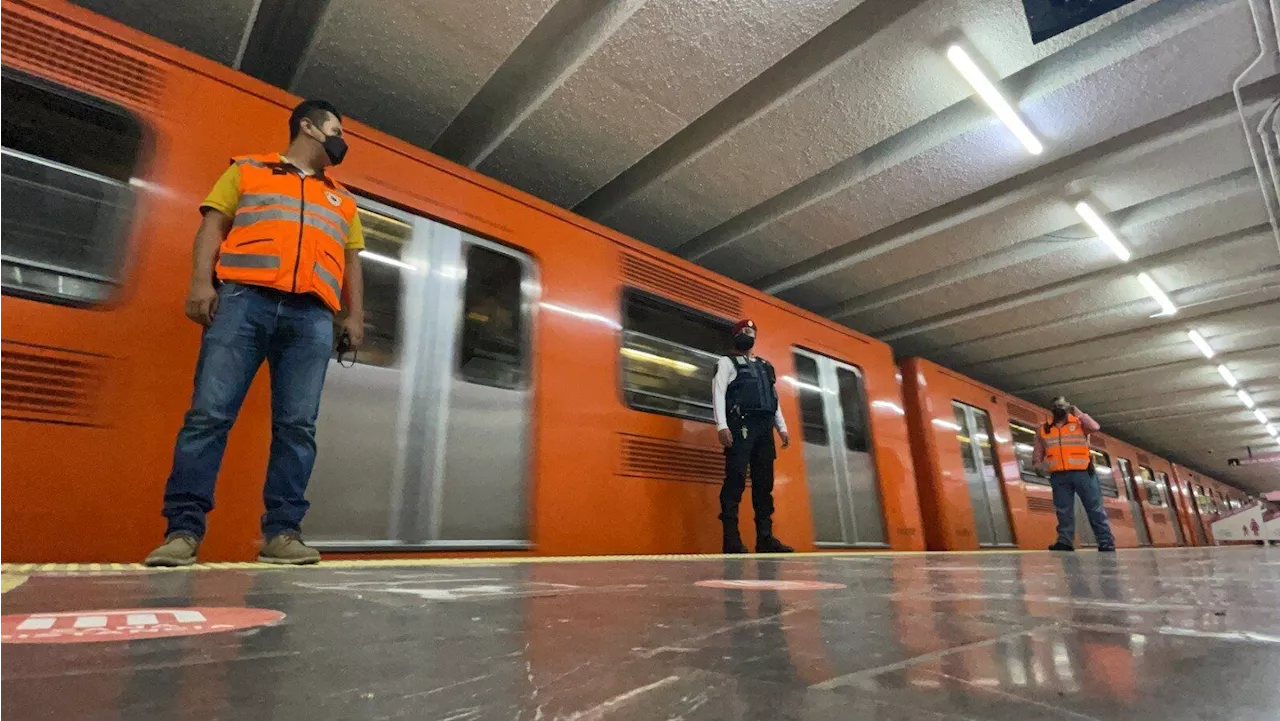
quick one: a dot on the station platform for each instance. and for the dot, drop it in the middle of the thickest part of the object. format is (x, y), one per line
(1144, 634)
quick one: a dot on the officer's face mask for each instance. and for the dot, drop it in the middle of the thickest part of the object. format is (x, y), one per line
(743, 342)
(334, 147)
(1059, 414)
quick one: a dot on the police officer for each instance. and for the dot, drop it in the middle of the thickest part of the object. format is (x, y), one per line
(746, 411)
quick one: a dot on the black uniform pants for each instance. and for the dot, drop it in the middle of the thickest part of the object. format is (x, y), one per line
(752, 448)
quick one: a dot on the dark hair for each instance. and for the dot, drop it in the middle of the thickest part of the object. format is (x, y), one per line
(313, 110)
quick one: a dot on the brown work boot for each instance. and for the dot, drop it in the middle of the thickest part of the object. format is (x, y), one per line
(287, 548)
(178, 549)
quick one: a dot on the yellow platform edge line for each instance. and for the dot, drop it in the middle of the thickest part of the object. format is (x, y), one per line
(106, 568)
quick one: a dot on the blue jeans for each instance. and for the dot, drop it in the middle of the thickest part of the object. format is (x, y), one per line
(294, 335)
(1066, 486)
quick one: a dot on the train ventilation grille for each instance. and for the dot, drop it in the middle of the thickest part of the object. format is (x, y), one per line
(46, 49)
(1022, 413)
(1036, 504)
(1115, 514)
(49, 385)
(1159, 518)
(665, 281)
(661, 458)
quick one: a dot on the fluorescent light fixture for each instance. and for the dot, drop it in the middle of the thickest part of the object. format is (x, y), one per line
(1201, 343)
(1244, 398)
(1262, 417)
(1166, 306)
(1100, 229)
(1271, 428)
(1227, 376)
(994, 100)
(385, 260)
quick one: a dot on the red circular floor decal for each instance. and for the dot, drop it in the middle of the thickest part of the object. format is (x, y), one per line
(753, 585)
(123, 624)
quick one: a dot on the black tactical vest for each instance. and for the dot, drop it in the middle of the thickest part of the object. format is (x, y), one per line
(751, 391)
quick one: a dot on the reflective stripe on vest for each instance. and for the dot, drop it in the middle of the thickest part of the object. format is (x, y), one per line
(249, 260)
(261, 201)
(289, 232)
(1066, 447)
(328, 278)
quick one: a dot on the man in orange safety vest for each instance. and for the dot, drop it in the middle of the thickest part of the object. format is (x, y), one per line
(276, 257)
(1062, 447)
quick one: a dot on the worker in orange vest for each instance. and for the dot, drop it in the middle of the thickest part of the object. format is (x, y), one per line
(276, 257)
(1062, 447)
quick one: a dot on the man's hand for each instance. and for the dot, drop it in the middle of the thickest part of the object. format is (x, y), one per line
(353, 326)
(1073, 411)
(786, 439)
(202, 302)
(726, 437)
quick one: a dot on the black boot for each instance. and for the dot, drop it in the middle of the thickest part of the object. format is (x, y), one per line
(732, 540)
(766, 542)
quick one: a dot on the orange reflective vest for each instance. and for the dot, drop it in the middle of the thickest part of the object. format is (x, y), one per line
(1066, 447)
(290, 231)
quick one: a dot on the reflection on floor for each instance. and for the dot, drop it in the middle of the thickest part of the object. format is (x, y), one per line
(1169, 634)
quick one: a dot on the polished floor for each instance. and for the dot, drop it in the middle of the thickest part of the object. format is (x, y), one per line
(1166, 634)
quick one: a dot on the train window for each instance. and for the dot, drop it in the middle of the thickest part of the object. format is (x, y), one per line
(962, 437)
(384, 239)
(853, 404)
(813, 423)
(1155, 494)
(1106, 476)
(1203, 503)
(1024, 447)
(492, 345)
(66, 164)
(669, 355)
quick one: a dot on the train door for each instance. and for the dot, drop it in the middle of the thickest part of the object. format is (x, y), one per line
(990, 515)
(1135, 502)
(425, 437)
(1163, 479)
(844, 495)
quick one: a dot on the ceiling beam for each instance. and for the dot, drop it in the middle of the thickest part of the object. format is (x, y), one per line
(564, 39)
(279, 39)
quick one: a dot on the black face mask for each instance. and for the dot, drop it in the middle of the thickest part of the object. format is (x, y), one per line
(743, 342)
(1059, 414)
(335, 147)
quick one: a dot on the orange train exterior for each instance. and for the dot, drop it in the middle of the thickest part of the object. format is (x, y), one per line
(938, 400)
(85, 483)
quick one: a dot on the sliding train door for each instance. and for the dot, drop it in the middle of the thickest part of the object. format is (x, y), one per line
(1135, 502)
(986, 495)
(844, 496)
(424, 436)
(1163, 479)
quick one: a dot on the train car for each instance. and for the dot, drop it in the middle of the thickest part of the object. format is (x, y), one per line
(533, 382)
(973, 445)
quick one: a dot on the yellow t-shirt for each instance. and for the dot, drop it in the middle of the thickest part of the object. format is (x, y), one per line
(225, 198)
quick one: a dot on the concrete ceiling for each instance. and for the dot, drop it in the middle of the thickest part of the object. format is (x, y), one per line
(827, 152)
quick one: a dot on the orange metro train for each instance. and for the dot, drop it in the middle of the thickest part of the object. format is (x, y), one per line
(533, 382)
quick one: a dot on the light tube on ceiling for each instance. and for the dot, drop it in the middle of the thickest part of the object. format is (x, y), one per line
(1100, 229)
(994, 100)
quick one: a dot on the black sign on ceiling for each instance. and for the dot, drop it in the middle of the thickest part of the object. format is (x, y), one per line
(1047, 18)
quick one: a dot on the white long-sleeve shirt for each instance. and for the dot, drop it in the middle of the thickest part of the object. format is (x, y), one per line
(725, 373)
